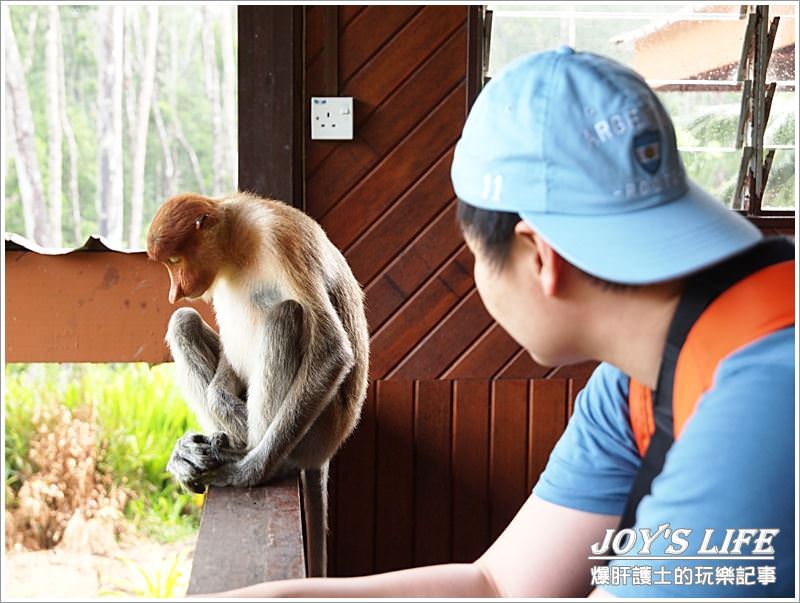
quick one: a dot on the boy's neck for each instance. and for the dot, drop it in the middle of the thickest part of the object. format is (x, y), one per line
(632, 328)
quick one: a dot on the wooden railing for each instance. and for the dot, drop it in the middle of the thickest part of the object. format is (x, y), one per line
(105, 306)
(248, 535)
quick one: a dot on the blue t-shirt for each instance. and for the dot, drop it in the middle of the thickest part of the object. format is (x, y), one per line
(732, 467)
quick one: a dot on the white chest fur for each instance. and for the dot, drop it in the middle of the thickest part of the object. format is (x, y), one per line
(240, 328)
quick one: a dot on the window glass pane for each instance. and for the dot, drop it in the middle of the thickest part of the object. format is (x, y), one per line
(703, 118)
(780, 191)
(514, 36)
(714, 171)
(689, 53)
(112, 108)
(781, 64)
(781, 123)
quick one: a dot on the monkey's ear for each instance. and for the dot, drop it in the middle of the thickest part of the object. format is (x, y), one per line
(206, 220)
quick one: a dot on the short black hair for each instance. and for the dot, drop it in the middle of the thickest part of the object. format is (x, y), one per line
(493, 232)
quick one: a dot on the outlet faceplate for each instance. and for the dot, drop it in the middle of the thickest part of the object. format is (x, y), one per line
(331, 117)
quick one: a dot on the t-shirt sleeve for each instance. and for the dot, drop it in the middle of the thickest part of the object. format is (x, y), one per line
(595, 461)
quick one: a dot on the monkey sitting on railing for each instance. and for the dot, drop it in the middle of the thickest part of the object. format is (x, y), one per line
(282, 385)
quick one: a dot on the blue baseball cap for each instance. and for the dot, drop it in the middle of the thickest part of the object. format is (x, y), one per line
(583, 150)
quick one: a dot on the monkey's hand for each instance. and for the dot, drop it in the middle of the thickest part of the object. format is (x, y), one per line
(197, 457)
(238, 473)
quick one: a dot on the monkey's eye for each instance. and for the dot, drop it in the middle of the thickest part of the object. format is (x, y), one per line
(174, 259)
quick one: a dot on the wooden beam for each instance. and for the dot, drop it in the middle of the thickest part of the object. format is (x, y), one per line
(475, 53)
(248, 535)
(331, 50)
(88, 306)
(271, 112)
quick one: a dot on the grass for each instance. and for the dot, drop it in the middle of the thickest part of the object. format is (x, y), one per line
(139, 414)
(166, 584)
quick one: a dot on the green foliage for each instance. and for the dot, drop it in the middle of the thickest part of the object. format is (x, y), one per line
(156, 585)
(29, 388)
(139, 415)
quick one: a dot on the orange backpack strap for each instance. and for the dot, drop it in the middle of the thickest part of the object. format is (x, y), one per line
(721, 310)
(752, 308)
(640, 403)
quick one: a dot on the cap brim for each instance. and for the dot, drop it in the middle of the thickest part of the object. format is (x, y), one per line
(667, 241)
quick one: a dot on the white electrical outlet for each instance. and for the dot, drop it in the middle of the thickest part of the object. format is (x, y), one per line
(331, 117)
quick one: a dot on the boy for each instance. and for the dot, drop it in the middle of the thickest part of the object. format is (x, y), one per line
(591, 243)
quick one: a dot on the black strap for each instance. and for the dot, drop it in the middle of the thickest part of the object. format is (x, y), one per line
(699, 291)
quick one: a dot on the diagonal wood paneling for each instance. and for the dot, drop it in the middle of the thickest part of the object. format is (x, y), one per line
(454, 431)
(384, 113)
(385, 198)
(394, 232)
(422, 312)
(386, 181)
(412, 267)
(455, 332)
(359, 40)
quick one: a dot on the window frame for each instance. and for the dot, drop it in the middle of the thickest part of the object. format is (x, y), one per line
(479, 26)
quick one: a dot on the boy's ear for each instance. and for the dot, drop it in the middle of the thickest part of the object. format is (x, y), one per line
(549, 265)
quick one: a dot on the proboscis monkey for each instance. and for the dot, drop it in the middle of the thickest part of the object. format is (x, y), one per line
(282, 385)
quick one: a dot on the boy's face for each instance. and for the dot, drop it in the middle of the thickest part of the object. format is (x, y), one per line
(518, 298)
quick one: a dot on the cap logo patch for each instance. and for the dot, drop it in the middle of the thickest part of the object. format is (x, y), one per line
(647, 150)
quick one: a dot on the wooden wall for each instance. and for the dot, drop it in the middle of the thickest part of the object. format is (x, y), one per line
(455, 432)
(437, 469)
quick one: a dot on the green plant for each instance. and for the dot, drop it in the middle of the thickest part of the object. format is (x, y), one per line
(156, 585)
(138, 414)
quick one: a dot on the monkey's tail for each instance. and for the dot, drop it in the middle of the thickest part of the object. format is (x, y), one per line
(315, 505)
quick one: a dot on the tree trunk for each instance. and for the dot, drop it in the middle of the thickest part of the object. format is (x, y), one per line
(170, 184)
(55, 136)
(32, 20)
(23, 180)
(142, 122)
(110, 191)
(229, 88)
(72, 147)
(129, 54)
(168, 93)
(198, 173)
(211, 72)
(37, 225)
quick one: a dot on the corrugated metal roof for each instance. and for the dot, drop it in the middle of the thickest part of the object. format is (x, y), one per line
(695, 14)
(15, 242)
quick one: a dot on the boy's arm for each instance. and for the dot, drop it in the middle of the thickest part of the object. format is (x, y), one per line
(543, 552)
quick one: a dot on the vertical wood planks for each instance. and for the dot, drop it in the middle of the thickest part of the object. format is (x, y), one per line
(270, 75)
(354, 529)
(470, 523)
(438, 468)
(508, 452)
(432, 473)
(394, 501)
(547, 415)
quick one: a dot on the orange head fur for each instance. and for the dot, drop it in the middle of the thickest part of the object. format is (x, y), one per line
(184, 237)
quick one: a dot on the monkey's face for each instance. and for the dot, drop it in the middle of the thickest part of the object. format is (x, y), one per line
(183, 237)
(189, 277)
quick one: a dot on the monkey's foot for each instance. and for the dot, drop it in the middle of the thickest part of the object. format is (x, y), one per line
(196, 457)
(244, 474)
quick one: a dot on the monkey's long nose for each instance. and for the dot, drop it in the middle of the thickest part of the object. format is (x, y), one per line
(175, 291)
